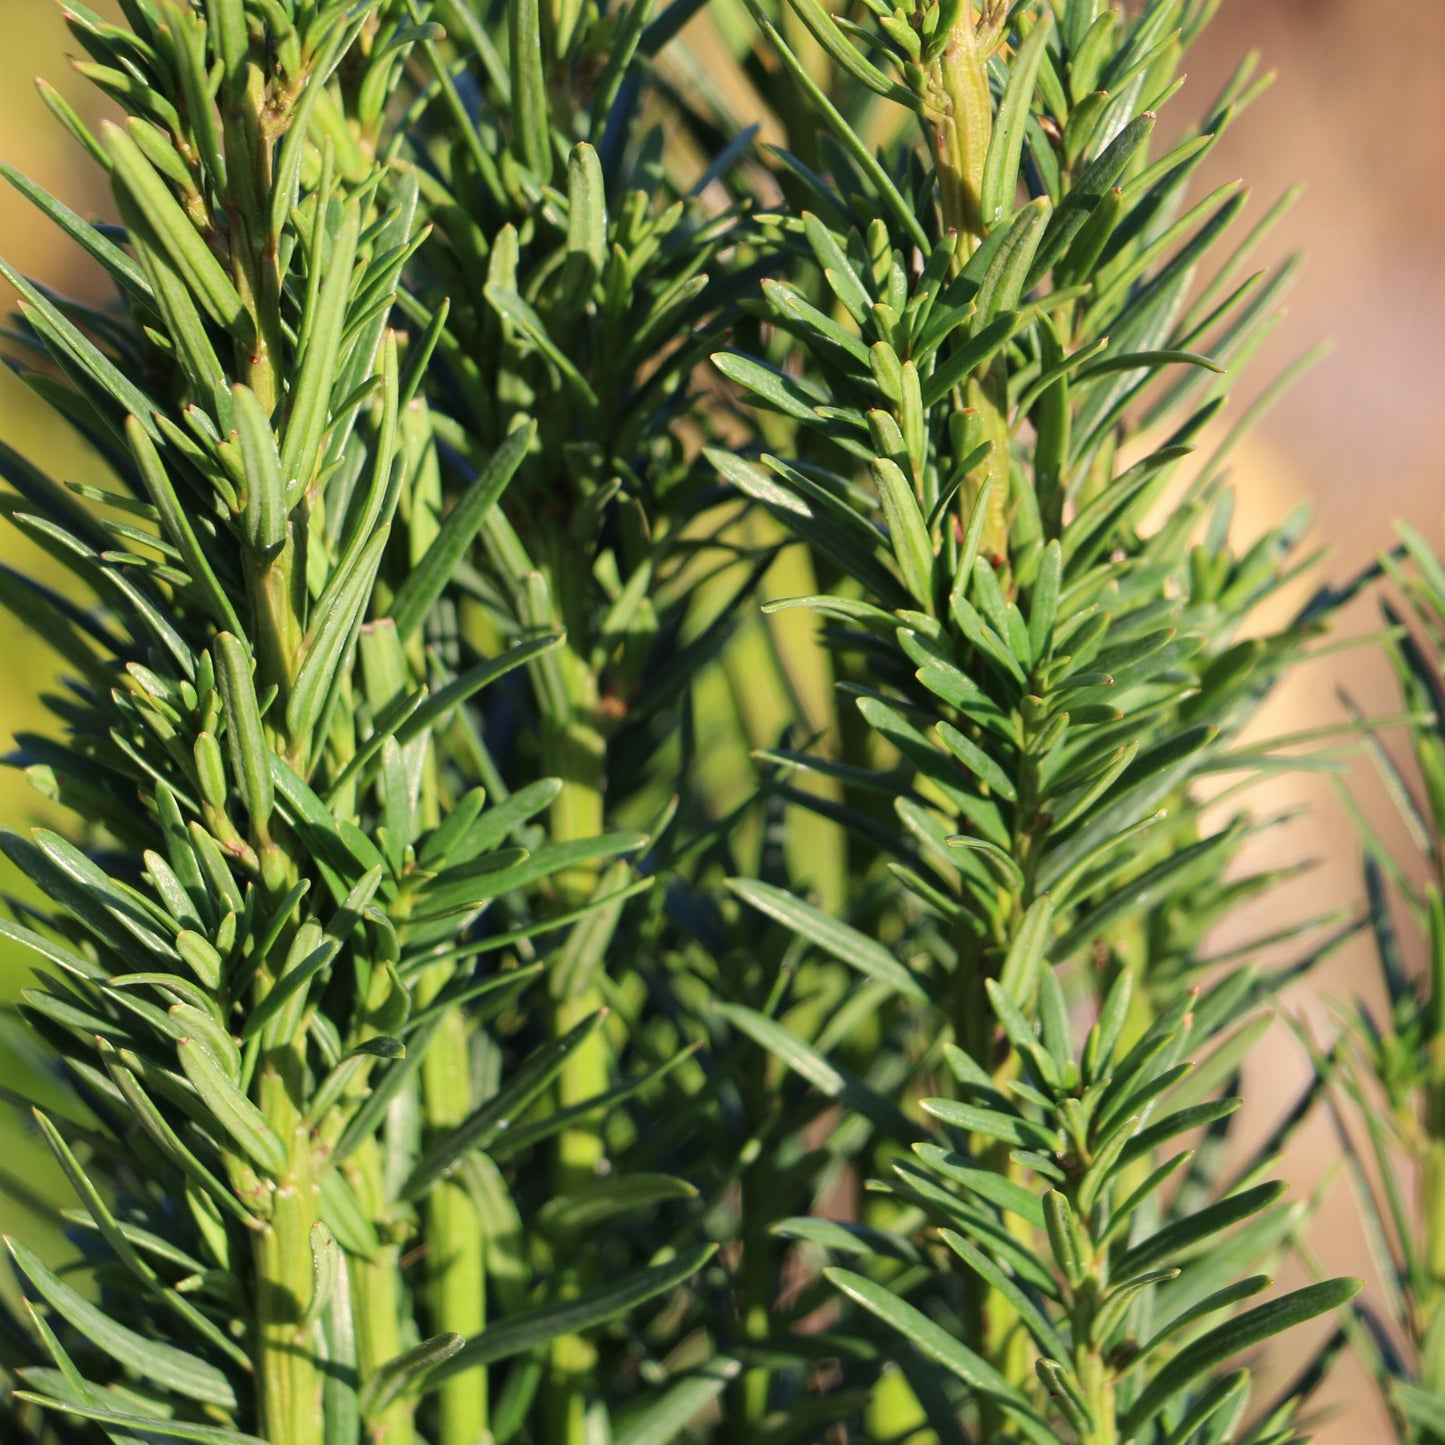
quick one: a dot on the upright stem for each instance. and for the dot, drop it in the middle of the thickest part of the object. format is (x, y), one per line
(456, 1244)
(272, 583)
(291, 1381)
(985, 398)
(377, 1295)
(1098, 1390)
(249, 150)
(288, 1369)
(958, 115)
(990, 1323)
(574, 750)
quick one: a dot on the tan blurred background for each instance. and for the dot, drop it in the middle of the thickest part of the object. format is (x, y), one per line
(1358, 114)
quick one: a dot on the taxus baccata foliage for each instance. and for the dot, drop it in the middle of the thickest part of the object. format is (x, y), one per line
(492, 969)
(1385, 1069)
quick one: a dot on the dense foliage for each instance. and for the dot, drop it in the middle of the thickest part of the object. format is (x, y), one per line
(506, 980)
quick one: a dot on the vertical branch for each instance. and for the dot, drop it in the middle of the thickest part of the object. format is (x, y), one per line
(574, 750)
(958, 113)
(376, 1286)
(456, 1257)
(291, 1380)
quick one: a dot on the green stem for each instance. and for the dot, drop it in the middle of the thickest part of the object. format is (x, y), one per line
(959, 115)
(579, 1149)
(574, 750)
(985, 399)
(377, 1296)
(273, 586)
(1097, 1386)
(253, 252)
(1432, 1205)
(288, 1370)
(456, 1244)
(287, 1367)
(990, 1323)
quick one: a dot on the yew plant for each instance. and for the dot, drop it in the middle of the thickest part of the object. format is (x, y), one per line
(503, 980)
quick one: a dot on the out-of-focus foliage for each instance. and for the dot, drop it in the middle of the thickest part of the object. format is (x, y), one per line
(1388, 1067)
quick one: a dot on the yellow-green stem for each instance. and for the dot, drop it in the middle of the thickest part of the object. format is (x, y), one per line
(456, 1245)
(288, 1370)
(273, 583)
(991, 1324)
(1097, 1387)
(959, 115)
(377, 1296)
(576, 753)
(253, 254)
(287, 1366)
(574, 750)
(1434, 1211)
(579, 1149)
(986, 400)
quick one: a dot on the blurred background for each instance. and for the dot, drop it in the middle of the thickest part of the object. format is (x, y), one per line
(1357, 114)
